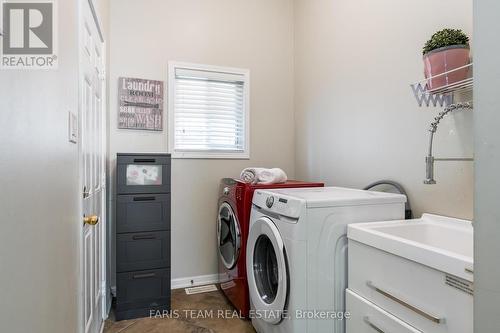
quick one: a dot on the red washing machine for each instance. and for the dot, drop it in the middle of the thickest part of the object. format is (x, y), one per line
(235, 203)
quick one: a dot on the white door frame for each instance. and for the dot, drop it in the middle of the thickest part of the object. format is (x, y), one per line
(80, 294)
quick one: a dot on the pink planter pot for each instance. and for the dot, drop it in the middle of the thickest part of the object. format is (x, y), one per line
(443, 60)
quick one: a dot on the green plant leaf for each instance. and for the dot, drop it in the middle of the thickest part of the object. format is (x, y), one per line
(446, 37)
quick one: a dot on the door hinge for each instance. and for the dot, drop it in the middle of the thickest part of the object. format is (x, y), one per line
(85, 192)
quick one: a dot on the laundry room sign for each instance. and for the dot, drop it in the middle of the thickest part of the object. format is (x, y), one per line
(140, 104)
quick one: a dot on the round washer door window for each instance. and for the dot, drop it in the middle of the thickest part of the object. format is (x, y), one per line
(228, 236)
(267, 270)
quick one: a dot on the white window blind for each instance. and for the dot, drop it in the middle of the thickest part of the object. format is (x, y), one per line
(209, 111)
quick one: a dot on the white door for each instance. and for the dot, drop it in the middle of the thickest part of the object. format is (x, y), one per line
(92, 140)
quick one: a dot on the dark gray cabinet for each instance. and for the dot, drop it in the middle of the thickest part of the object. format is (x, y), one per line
(146, 250)
(142, 235)
(137, 173)
(142, 212)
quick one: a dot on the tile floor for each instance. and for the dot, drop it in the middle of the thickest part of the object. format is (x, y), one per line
(186, 323)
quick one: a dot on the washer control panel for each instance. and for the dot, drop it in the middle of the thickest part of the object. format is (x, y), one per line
(278, 203)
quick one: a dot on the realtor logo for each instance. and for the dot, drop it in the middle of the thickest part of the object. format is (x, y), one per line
(28, 35)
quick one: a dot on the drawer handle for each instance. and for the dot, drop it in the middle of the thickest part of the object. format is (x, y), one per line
(144, 276)
(144, 198)
(415, 309)
(144, 160)
(143, 237)
(372, 325)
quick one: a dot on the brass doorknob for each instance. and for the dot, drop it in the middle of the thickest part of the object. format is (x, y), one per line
(91, 220)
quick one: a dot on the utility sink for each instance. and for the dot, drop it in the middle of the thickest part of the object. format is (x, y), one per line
(443, 243)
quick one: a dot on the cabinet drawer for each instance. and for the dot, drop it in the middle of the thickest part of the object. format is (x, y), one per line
(143, 174)
(146, 250)
(142, 212)
(143, 289)
(366, 317)
(416, 294)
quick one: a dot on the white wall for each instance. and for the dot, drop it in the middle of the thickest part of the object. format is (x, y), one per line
(356, 118)
(257, 35)
(487, 148)
(39, 193)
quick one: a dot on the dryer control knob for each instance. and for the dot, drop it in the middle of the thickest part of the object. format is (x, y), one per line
(269, 202)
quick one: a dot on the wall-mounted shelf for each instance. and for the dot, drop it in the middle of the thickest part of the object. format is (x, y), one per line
(444, 95)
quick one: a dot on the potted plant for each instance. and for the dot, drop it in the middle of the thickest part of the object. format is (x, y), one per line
(447, 50)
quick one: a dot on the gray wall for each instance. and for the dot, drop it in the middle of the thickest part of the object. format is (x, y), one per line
(257, 35)
(356, 118)
(487, 149)
(39, 193)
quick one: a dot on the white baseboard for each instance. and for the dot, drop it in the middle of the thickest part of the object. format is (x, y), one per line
(185, 282)
(194, 281)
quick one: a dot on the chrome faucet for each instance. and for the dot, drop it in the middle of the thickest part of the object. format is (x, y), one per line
(429, 159)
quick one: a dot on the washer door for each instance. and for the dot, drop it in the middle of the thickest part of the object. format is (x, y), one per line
(228, 236)
(267, 270)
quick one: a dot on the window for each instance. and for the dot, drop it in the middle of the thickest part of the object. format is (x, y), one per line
(208, 111)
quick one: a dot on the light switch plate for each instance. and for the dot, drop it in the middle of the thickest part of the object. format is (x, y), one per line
(72, 127)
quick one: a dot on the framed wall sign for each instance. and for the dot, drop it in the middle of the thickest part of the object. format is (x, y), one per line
(140, 104)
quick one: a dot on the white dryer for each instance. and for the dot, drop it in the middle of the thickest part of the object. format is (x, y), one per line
(297, 254)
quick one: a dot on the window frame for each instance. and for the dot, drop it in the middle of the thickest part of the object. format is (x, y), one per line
(210, 154)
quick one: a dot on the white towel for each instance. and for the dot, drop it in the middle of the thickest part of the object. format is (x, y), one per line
(263, 176)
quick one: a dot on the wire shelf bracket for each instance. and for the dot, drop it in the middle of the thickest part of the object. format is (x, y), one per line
(444, 95)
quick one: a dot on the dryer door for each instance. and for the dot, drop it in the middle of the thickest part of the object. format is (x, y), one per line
(228, 236)
(267, 271)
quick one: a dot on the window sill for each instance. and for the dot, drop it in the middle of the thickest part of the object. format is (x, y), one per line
(211, 156)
